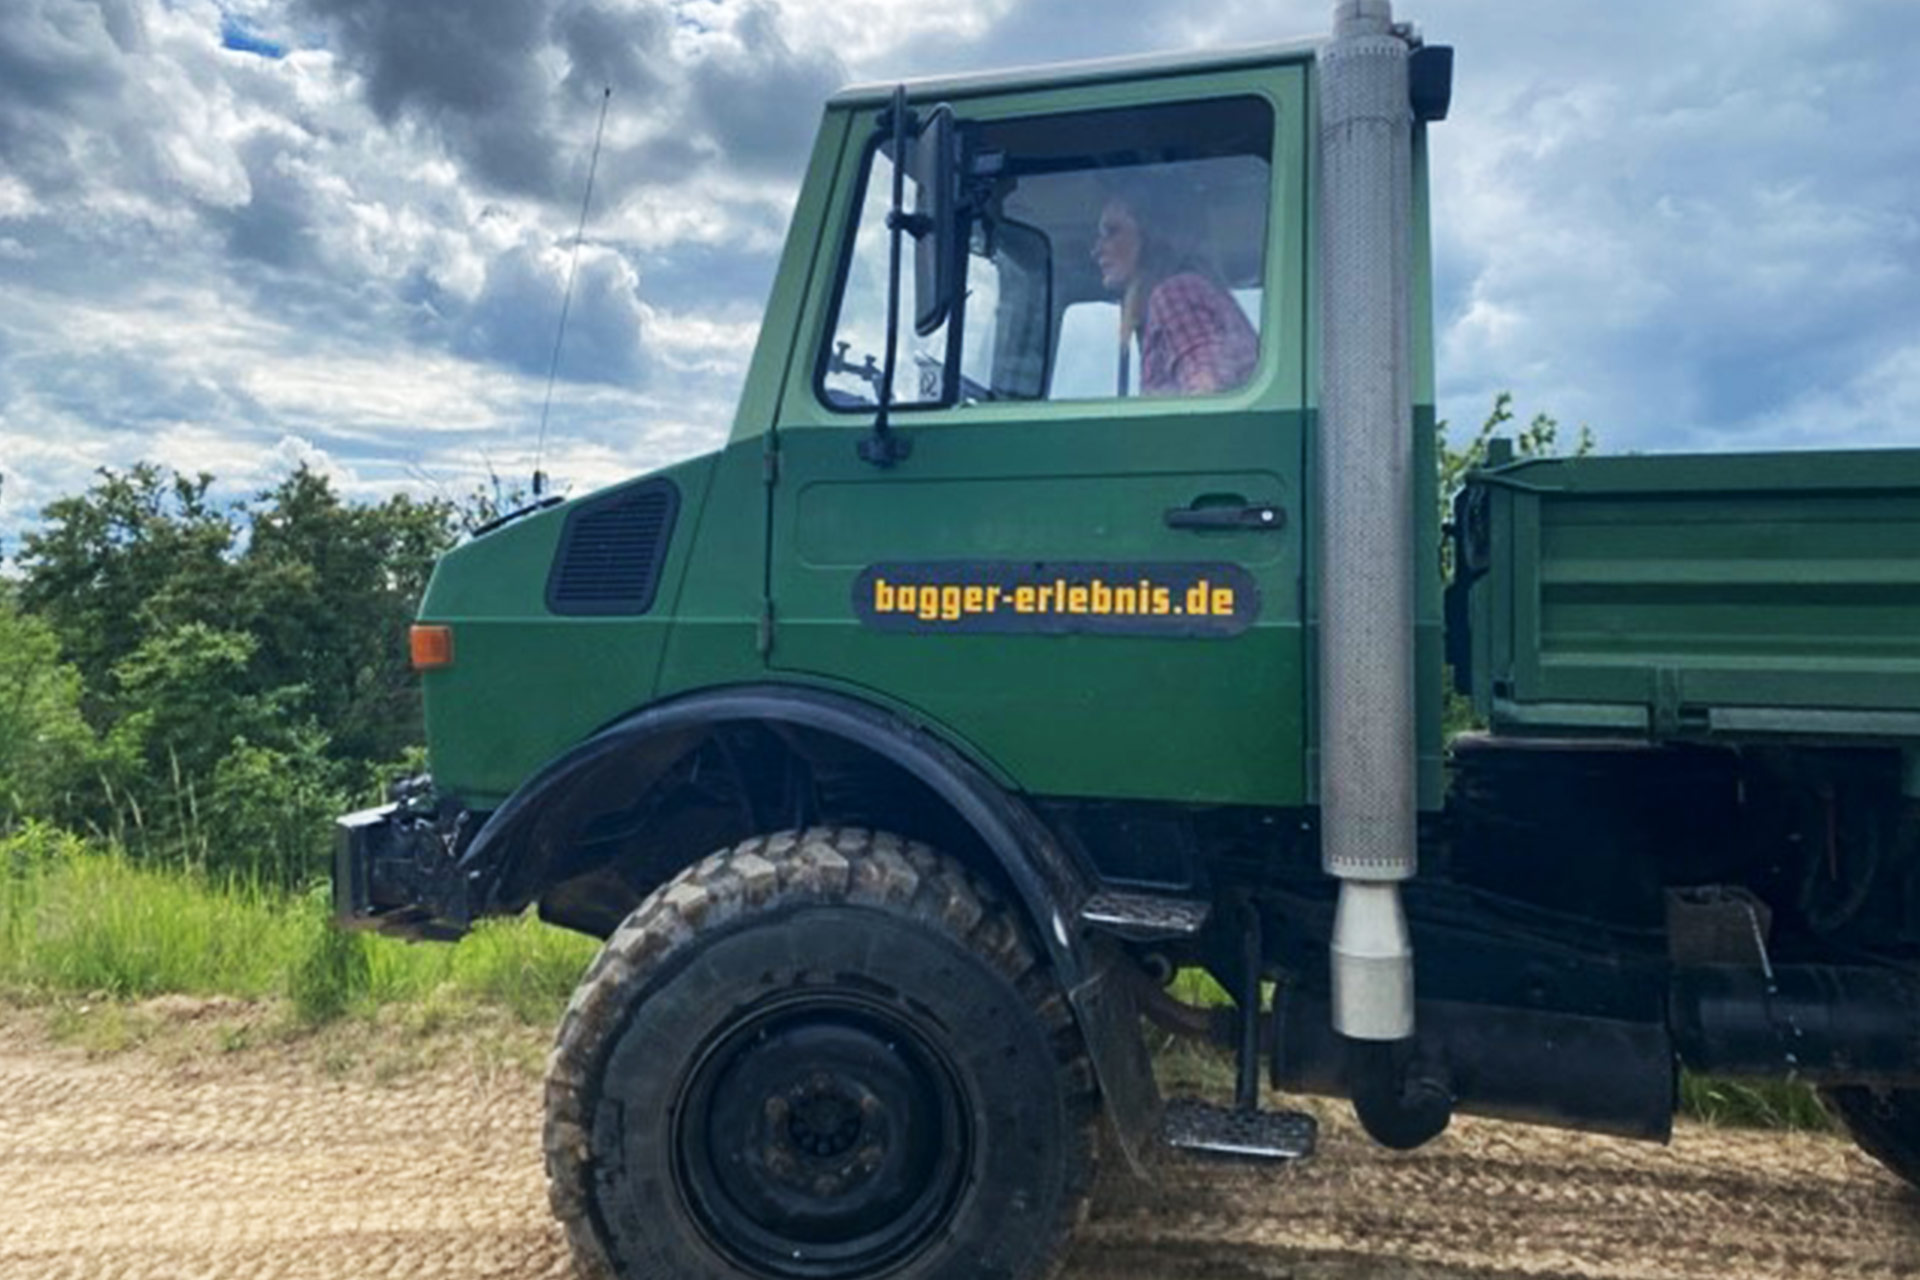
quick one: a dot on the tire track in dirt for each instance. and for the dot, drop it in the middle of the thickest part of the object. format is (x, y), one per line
(1490, 1200)
(258, 1164)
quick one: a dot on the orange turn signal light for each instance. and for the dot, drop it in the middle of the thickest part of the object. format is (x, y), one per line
(431, 646)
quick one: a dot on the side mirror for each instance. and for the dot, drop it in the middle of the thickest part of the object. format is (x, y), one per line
(936, 172)
(934, 164)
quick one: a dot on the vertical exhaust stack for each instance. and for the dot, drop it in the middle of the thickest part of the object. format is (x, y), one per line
(1368, 763)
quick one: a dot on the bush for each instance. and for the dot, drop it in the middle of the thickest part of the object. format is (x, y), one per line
(272, 811)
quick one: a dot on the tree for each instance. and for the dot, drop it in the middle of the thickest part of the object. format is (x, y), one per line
(142, 551)
(327, 589)
(1538, 439)
(322, 588)
(181, 704)
(183, 697)
(239, 664)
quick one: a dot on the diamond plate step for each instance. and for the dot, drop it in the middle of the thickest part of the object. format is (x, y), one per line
(1145, 917)
(1241, 1135)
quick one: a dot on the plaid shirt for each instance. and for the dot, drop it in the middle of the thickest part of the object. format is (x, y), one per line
(1196, 339)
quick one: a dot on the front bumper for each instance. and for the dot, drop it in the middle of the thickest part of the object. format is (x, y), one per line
(394, 872)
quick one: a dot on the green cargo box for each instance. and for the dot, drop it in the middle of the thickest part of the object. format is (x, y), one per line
(1738, 596)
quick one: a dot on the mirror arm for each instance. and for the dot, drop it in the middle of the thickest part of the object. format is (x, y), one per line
(914, 224)
(883, 448)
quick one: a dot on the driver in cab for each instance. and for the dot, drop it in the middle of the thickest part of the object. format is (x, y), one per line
(1190, 334)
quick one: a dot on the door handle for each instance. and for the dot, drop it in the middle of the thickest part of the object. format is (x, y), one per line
(1256, 516)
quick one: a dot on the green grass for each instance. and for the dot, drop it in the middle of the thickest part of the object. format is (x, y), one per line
(1754, 1104)
(80, 921)
(77, 921)
(520, 965)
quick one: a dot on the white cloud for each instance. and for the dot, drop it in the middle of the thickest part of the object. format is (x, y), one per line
(706, 345)
(293, 452)
(1673, 231)
(16, 201)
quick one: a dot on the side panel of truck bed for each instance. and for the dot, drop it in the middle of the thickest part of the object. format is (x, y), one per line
(1745, 595)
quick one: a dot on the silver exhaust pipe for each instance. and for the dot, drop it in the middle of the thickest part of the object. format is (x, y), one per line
(1368, 795)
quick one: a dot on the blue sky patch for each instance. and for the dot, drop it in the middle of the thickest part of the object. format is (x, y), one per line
(235, 35)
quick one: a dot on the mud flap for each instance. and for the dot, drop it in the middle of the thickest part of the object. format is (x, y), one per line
(1110, 1022)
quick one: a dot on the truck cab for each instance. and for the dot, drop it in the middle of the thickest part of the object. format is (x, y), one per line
(1087, 515)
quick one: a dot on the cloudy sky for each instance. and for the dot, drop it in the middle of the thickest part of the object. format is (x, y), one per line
(235, 236)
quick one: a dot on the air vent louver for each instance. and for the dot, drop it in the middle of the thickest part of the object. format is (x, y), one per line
(612, 549)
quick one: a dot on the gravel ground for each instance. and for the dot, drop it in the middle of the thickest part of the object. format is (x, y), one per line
(264, 1163)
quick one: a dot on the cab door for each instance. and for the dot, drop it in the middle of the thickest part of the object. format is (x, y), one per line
(1092, 583)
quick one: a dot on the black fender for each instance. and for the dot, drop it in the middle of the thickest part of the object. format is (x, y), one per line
(1051, 887)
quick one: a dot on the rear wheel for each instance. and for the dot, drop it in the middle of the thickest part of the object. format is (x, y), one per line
(1886, 1124)
(824, 1055)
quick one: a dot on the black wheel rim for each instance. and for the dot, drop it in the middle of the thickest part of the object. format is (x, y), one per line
(821, 1137)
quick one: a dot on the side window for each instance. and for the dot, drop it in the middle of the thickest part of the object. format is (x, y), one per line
(853, 365)
(1111, 253)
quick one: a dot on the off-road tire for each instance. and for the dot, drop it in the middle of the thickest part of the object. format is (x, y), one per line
(775, 929)
(1886, 1125)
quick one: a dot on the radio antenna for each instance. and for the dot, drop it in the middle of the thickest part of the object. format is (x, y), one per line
(566, 299)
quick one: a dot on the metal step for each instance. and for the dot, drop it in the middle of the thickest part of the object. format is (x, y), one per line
(1241, 1135)
(1145, 917)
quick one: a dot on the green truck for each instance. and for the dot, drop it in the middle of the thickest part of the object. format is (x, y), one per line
(1066, 611)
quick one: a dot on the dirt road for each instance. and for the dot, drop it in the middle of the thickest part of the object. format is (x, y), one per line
(262, 1164)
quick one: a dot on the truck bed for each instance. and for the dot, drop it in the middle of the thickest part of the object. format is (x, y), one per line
(1727, 596)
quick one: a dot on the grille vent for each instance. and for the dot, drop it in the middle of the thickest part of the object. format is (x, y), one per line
(611, 551)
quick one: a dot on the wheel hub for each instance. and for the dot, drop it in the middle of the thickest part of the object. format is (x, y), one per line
(825, 1136)
(822, 1138)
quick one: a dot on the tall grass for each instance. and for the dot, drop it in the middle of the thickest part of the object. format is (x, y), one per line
(81, 920)
(99, 924)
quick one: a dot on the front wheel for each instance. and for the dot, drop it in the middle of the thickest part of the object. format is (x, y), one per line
(823, 1055)
(1886, 1124)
